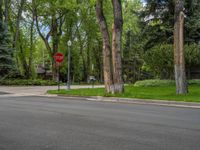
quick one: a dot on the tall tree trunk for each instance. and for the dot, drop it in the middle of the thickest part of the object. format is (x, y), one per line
(54, 45)
(108, 80)
(1, 10)
(31, 45)
(179, 60)
(19, 15)
(84, 78)
(6, 14)
(88, 57)
(22, 58)
(116, 46)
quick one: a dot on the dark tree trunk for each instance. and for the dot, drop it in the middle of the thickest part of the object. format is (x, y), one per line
(108, 80)
(55, 38)
(6, 14)
(179, 60)
(188, 73)
(116, 46)
(19, 15)
(23, 60)
(84, 77)
(31, 45)
(1, 10)
(88, 57)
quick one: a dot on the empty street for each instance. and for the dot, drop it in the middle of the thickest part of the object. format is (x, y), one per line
(53, 123)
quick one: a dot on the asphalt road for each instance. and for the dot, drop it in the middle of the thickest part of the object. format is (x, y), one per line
(46, 123)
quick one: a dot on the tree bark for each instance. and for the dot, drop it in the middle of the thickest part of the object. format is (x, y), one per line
(179, 60)
(6, 14)
(19, 15)
(116, 46)
(23, 60)
(31, 44)
(55, 42)
(108, 80)
(1, 10)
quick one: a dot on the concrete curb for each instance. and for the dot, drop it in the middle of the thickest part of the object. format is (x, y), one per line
(136, 101)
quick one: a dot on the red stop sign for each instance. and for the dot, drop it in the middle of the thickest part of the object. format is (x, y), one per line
(59, 57)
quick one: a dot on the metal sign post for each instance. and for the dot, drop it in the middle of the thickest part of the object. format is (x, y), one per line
(58, 58)
(69, 43)
(58, 77)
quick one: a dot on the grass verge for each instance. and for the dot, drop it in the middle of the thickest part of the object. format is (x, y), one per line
(158, 93)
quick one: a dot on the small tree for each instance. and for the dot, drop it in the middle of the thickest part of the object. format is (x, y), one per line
(6, 52)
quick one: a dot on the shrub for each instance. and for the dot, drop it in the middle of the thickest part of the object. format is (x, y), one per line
(24, 82)
(194, 82)
(153, 83)
(157, 83)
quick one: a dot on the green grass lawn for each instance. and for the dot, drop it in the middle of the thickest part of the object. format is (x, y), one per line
(158, 93)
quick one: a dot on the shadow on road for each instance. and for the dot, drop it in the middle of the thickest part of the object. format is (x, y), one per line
(3, 93)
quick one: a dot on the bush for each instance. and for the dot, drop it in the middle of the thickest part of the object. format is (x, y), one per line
(23, 82)
(194, 82)
(154, 83)
(157, 83)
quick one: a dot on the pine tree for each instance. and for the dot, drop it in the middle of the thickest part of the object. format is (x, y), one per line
(6, 52)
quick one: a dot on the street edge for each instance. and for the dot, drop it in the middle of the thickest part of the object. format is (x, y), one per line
(132, 101)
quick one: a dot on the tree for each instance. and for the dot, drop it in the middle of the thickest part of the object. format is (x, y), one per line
(179, 58)
(192, 21)
(132, 45)
(112, 71)
(117, 46)
(108, 79)
(52, 18)
(19, 17)
(158, 22)
(6, 51)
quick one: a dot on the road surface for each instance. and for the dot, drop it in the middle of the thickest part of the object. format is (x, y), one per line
(53, 123)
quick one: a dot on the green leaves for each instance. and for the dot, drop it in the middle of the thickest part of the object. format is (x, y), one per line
(160, 58)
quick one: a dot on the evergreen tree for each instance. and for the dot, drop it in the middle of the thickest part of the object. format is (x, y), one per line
(158, 22)
(192, 21)
(6, 52)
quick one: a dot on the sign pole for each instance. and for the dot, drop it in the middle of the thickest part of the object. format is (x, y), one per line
(58, 77)
(59, 58)
(69, 43)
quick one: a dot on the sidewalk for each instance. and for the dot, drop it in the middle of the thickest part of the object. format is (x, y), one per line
(38, 90)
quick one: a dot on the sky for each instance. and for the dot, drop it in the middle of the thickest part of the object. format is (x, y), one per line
(143, 1)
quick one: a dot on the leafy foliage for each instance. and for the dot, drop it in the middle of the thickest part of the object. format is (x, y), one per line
(132, 46)
(154, 83)
(24, 82)
(147, 38)
(160, 59)
(158, 22)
